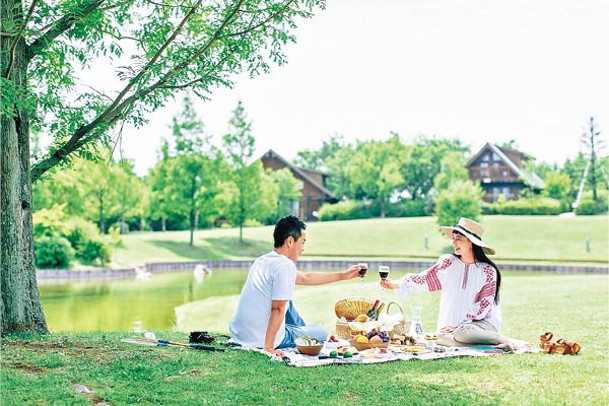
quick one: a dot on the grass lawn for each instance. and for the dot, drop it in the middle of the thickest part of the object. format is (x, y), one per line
(518, 239)
(42, 370)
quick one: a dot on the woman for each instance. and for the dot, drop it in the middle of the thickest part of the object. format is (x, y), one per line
(469, 281)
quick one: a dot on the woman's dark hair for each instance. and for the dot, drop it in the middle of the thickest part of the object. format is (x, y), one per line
(480, 256)
(289, 226)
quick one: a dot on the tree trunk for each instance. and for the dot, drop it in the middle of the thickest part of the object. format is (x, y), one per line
(20, 308)
(192, 227)
(101, 214)
(163, 224)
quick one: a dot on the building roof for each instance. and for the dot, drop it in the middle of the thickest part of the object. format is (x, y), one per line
(529, 178)
(301, 172)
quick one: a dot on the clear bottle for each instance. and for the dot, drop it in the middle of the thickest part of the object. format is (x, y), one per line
(416, 327)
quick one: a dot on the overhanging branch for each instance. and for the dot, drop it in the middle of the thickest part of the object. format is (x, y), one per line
(60, 26)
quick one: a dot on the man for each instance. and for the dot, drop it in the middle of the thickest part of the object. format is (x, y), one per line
(266, 317)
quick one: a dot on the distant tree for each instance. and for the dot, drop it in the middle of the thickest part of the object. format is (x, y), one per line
(61, 186)
(239, 144)
(575, 168)
(460, 199)
(452, 167)
(266, 207)
(338, 182)
(156, 182)
(318, 159)
(593, 143)
(193, 170)
(374, 171)
(557, 186)
(288, 191)
(131, 195)
(421, 163)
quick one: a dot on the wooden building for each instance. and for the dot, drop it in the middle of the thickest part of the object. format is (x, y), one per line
(313, 189)
(500, 172)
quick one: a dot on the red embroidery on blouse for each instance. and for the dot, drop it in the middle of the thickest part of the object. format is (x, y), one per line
(465, 276)
(486, 295)
(430, 276)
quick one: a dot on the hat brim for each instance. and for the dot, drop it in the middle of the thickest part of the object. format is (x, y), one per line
(485, 247)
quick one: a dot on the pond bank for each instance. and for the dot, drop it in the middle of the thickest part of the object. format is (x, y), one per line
(163, 267)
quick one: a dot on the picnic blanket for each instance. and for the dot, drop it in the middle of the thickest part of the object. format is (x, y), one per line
(372, 356)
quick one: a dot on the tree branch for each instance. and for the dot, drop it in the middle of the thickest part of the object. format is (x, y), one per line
(18, 36)
(60, 26)
(263, 22)
(87, 132)
(113, 112)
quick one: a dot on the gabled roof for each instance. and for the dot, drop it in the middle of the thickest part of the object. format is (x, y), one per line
(529, 178)
(300, 171)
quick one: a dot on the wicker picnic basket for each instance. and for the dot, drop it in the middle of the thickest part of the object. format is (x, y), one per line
(351, 307)
(403, 326)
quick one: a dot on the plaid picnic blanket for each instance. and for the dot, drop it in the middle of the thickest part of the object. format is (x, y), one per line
(373, 356)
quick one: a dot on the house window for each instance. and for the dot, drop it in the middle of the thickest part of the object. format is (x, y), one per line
(504, 173)
(506, 192)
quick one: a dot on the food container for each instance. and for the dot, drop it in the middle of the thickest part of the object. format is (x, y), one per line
(309, 349)
(365, 346)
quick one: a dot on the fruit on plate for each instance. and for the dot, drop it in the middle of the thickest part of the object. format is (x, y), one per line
(375, 333)
(361, 339)
(376, 339)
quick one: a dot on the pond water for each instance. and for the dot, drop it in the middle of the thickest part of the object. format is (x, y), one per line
(130, 304)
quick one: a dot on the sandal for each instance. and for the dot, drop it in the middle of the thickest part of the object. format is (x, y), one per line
(545, 343)
(565, 347)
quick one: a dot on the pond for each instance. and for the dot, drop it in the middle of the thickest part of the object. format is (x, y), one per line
(122, 304)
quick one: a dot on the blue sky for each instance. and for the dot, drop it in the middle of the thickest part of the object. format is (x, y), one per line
(532, 71)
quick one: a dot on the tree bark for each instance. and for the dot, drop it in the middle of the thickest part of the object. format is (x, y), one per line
(20, 301)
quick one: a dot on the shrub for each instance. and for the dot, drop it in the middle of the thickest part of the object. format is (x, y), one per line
(49, 222)
(339, 211)
(95, 249)
(53, 252)
(79, 231)
(531, 206)
(586, 208)
(407, 208)
(87, 241)
(460, 199)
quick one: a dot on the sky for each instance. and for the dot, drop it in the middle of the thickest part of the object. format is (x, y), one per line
(473, 70)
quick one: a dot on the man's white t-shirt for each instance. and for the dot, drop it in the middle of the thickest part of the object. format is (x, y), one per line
(271, 277)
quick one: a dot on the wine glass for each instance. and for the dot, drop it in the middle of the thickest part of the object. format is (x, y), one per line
(383, 272)
(362, 271)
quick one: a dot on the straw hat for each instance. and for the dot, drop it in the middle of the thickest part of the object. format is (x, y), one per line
(472, 230)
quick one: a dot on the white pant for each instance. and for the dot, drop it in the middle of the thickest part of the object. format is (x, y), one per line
(476, 332)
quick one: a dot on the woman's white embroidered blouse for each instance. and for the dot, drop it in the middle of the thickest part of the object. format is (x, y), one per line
(468, 290)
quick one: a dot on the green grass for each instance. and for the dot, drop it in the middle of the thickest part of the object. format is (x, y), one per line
(519, 239)
(42, 370)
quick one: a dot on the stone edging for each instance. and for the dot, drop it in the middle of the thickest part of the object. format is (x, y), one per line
(163, 267)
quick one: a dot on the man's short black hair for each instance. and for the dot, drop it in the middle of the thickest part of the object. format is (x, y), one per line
(289, 226)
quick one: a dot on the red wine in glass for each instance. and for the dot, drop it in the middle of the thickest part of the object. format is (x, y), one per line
(362, 272)
(383, 271)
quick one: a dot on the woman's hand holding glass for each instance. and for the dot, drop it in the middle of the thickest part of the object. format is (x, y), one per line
(389, 284)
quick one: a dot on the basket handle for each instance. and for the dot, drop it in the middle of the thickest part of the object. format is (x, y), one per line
(398, 306)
